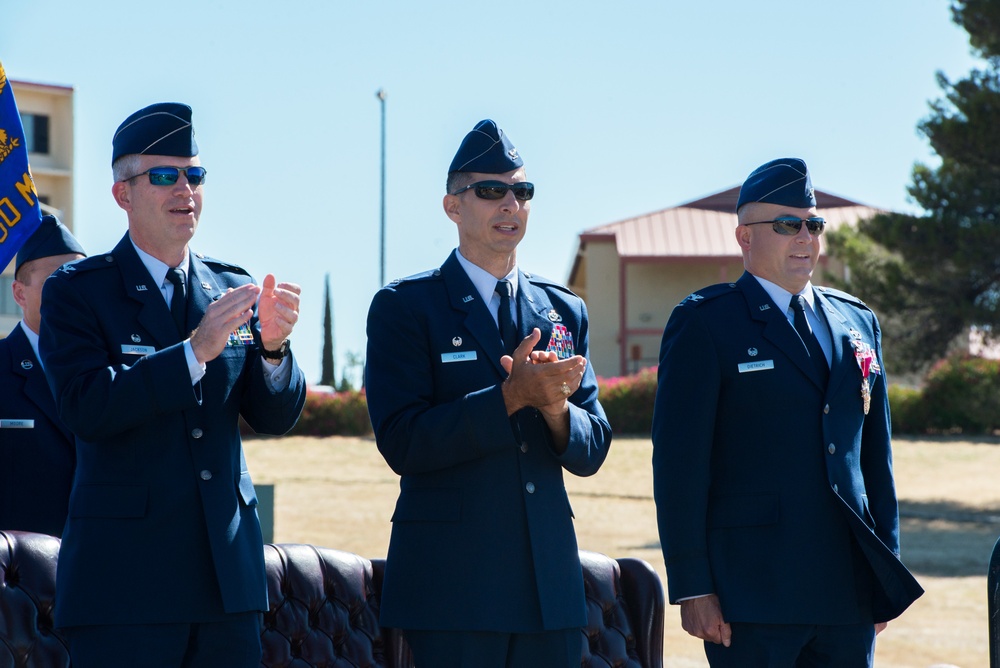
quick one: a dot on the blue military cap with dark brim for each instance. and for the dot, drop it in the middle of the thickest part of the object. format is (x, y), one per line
(784, 181)
(51, 238)
(487, 150)
(163, 128)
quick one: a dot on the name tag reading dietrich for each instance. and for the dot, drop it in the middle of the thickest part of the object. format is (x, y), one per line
(465, 356)
(17, 424)
(762, 365)
(131, 349)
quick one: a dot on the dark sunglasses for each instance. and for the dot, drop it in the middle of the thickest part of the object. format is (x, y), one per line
(167, 176)
(498, 190)
(790, 225)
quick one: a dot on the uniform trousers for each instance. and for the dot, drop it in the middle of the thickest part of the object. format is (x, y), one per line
(795, 646)
(232, 643)
(484, 649)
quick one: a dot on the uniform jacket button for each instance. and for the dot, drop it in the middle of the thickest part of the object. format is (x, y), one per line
(831, 448)
(197, 433)
(835, 488)
(206, 475)
(524, 447)
(826, 409)
(530, 487)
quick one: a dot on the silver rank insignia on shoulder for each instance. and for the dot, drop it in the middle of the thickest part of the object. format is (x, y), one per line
(457, 341)
(136, 338)
(553, 316)
(467, 298)
(26, 364)
(693, 297)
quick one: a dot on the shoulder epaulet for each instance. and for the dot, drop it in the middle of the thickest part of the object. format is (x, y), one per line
(833, 293)
(103, 261)
(422, 276)
(709, 293)
(535, 279)
(233, 268)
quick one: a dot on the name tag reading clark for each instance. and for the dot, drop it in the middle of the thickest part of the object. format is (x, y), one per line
(129, 349)
(466, 356)
(762, 365)
(17, 424)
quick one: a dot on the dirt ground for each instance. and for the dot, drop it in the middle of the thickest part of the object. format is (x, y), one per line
(338, 492)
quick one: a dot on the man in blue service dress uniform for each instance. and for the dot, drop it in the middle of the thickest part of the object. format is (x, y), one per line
(153, 352)
(480, 393)
(37, 455)
(771, 452)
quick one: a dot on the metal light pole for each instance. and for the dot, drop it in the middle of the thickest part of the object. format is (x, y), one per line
(381, 95)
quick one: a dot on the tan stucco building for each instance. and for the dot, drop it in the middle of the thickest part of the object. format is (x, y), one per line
(633, 272)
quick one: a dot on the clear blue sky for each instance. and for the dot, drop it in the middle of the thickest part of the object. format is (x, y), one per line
(618, 109)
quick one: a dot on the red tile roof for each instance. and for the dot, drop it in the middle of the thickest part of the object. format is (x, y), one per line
(702, 227)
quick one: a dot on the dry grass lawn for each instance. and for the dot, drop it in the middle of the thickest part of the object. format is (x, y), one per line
(338, 492)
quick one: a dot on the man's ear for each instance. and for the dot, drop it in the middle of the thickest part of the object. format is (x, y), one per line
(451, 208)
(121, 194)
(17, 287)
(743, 236)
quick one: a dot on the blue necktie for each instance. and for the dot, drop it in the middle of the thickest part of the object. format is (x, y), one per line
(508, 332)
(808, 338)
(178, 306)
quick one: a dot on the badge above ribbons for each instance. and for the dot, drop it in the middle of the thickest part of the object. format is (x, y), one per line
(20, 213)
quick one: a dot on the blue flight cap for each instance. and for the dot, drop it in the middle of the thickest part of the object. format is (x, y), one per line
(784, 181)
(487, 150)
(51, 238)
(163, 128)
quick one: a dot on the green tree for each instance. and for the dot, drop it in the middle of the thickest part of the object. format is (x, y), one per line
(933, 275)
(327, 376)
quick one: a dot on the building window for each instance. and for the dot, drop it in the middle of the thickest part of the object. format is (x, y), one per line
(7, 304)
(36, 132)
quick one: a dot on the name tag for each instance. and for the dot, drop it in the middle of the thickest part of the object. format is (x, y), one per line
(762, 365)
(17, 424)
(128, 349)
(465, 356)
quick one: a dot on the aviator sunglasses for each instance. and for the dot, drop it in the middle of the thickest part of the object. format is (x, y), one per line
(790, 225)
(523, 190)
(167, 176)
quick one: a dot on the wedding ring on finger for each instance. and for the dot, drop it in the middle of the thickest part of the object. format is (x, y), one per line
(565, 390)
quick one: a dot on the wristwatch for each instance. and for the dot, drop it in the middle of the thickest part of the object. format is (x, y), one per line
(275, 355)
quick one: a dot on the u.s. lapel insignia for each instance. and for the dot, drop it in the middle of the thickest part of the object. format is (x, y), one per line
(457, 341)
(467, 298)
(553, 316)
(136, 338)
(26, 364)
(765, 307)
(140, 288)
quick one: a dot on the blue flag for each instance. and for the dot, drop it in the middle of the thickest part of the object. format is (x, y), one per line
(20, 214)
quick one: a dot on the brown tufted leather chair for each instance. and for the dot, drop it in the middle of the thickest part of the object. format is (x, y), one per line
(324, 607)
(27, 598)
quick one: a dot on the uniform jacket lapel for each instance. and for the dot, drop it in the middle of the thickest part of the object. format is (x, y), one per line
(533, 306)
(203, 289)
(465, 300)
(840, 335)
(36, 388)
(154, 314)
(777, 329)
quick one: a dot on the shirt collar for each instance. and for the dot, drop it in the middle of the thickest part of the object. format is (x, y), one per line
(485, 282)
(32, 339)
(158, 269)
(782, 298)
